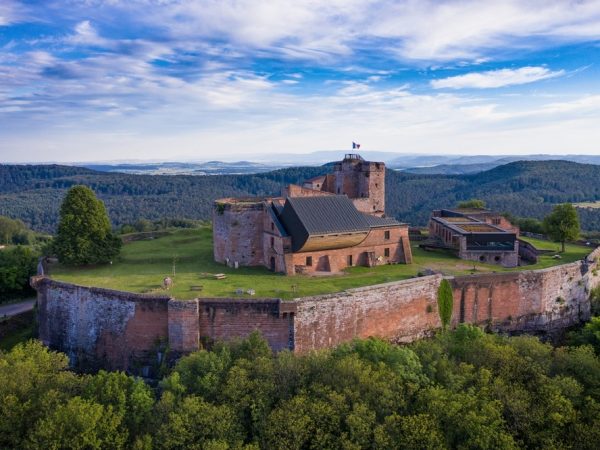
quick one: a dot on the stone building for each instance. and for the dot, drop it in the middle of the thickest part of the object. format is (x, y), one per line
(329, 223)
(476, 235)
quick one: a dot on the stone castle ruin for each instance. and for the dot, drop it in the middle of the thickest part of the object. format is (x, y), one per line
(329, 223)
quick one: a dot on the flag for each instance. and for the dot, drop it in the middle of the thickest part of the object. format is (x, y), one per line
(355, 145)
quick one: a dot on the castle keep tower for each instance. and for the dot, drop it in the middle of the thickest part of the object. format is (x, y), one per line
(363, 182)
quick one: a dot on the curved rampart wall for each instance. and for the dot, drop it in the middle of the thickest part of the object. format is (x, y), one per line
(120, 330)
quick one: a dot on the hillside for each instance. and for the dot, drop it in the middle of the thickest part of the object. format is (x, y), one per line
(524, 188)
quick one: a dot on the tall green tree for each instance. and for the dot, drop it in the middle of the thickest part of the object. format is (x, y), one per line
(562, 224)
(84, 233)
(445, 303)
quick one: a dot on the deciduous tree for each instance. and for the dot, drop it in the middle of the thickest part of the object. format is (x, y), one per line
(84, 233)
(562, 224)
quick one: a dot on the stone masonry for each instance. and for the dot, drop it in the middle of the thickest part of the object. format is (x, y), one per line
(101, 328)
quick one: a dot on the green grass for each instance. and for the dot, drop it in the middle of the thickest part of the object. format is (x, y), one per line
(144, 264)
(572, 253)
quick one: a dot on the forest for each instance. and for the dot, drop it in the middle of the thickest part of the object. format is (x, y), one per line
(524, 189)
(462, 389)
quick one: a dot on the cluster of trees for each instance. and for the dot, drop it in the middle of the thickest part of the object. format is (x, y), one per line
(461, 389)
(525, 189)
(145, 225)
(14, 231)
(18, 257)
(17, 265)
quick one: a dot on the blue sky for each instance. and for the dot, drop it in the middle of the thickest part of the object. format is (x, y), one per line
(97, 80)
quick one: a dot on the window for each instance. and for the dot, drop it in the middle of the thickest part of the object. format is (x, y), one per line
(309, 261)
(349, 260)
(482, 258)
(272, 242)
(497, 258)
(386, 252)
(496, 221)
(338, 190)
(387, 234)
(272, 226)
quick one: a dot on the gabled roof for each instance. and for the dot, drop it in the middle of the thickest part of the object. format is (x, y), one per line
(323, 222)
(376, 222)
(322, 215)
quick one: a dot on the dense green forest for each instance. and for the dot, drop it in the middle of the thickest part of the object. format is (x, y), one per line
(526, 189)
(462, 389)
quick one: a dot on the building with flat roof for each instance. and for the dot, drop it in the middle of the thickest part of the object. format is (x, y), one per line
(325, 225)
(476, 235)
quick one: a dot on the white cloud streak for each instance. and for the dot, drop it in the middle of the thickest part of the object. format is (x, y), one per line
(496, 78)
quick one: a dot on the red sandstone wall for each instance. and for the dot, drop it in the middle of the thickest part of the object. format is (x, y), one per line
(274, 244)
(119, 330)
(223, 319)
(238, 233)
(398, 245)
(184, 326)
(100, 327)
(293, 190)
(396, 311)
(527, 301)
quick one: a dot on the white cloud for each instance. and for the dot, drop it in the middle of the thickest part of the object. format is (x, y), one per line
(496, 78)
(11, 12)
(429, 30)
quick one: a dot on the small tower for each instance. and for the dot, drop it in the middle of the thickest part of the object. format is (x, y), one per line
(363, 182)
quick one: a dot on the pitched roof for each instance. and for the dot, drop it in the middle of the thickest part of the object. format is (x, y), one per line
(322, 215)
(375, 222)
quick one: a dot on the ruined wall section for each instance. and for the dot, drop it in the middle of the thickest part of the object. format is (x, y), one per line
(544, 300)
(293, 190)
(184, 326)
(101, 328)
(400, 311)
(238, 231)
(221, 319)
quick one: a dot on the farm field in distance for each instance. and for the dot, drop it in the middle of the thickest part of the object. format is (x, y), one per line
(143, 265)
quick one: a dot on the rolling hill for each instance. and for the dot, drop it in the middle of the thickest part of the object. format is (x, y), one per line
(523, 188)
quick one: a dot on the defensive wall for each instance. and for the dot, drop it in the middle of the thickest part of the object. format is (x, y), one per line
(139, 332)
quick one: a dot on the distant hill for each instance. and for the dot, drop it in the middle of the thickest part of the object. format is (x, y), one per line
(523, 188)
(453, 169)
(452, 165)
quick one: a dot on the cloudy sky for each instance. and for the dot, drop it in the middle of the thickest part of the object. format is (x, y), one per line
(96, 80)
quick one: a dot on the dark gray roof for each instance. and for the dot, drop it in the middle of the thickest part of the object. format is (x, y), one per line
(322, 215)
(375, 222)
(275, 219)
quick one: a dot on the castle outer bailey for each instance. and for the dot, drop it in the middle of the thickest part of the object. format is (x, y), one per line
(329, 223)
(102, 328)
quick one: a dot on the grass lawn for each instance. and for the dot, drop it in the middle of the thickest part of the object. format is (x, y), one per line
(572, 253)
(144, 264)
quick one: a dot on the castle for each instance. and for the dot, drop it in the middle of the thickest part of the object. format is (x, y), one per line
(329, 223)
